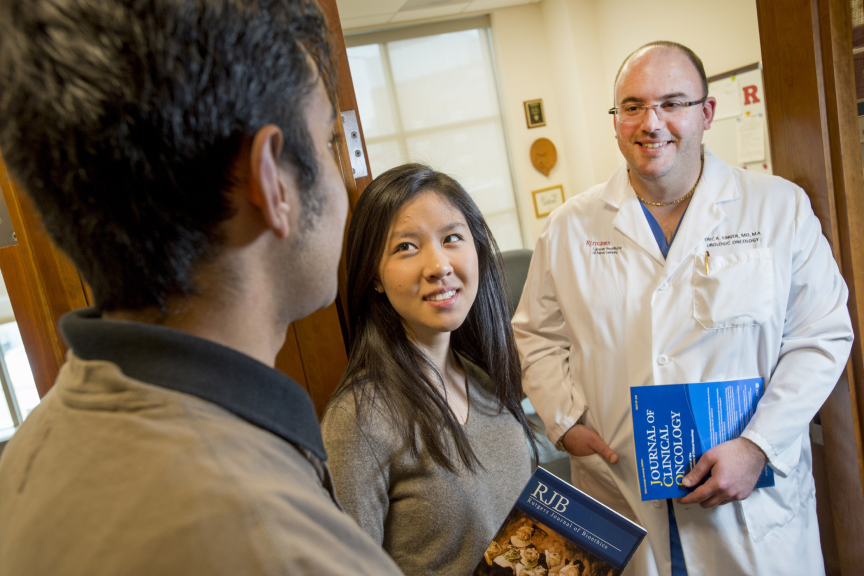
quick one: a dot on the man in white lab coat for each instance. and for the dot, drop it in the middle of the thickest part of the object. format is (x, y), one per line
(683, 269)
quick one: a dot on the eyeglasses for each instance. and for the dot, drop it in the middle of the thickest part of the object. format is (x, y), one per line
(635, 111)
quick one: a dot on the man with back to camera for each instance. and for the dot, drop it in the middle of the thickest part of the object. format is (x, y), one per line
(180, 152)
(593, 323)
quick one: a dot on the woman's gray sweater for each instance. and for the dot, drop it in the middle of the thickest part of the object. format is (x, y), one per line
(429, 520)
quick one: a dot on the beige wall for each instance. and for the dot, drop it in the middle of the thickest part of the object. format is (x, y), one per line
(525, 72)
(724, 35)
(568, 52)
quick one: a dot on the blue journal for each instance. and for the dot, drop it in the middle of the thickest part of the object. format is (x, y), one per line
(674, 424)
(554, 526)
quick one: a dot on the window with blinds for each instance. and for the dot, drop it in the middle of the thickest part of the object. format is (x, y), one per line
(430, 95)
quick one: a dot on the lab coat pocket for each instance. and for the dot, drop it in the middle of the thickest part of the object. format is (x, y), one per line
(733, 290)
(767, 510)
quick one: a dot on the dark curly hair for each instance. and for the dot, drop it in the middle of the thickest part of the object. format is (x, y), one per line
(122, 119)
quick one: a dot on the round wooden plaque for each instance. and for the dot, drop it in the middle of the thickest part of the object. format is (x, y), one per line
(544, 156)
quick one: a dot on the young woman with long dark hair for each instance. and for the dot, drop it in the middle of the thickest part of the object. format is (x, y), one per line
(426, 437)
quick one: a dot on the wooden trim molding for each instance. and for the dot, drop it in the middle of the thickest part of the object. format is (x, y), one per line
(42, 282)
(347, 100)
(28, 308)
(735, 72)
(848, 177)
(810, 97)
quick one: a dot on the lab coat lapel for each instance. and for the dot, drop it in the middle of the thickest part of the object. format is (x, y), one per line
(705, 211)
(630, 220)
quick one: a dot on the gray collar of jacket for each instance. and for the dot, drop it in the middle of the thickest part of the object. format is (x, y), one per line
(178, 361)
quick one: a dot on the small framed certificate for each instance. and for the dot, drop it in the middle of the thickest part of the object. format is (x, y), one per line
(534, 114)
(547, 199)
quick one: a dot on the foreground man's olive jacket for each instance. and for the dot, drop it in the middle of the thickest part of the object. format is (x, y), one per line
(160, 453)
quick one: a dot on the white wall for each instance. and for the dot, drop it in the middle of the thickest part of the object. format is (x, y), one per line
(568, 53)
(525, 72)
(570, 79)
(725, 34)
(605, 149)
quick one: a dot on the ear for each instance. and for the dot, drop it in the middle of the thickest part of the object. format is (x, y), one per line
(268, 191)
(709, 108)
(378, 286)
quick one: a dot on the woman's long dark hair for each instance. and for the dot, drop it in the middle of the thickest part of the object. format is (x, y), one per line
(384, 366)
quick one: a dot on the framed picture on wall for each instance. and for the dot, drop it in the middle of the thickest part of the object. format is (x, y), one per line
(534, 114)
(547, 199)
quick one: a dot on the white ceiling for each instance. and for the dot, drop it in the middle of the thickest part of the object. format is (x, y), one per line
(358, 15)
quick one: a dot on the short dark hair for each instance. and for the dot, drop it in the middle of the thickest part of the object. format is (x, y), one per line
(694, 59)
(122, 120)
(383, 359)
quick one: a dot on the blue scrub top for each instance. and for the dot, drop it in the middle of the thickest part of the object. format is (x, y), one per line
(658, 232)
(679, 568)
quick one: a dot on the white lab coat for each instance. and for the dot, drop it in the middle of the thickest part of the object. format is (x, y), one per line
(603, 311)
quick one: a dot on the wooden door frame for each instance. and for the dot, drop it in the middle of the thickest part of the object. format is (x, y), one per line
(810, 103)
(316, 349)
(42, 283)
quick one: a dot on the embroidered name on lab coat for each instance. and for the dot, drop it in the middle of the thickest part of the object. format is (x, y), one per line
(602, 248)
(731, 239)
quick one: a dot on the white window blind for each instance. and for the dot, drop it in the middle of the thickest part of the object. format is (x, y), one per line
(19, 396)
(434, 99)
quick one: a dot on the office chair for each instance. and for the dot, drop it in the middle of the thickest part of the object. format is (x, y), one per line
(516, 264)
